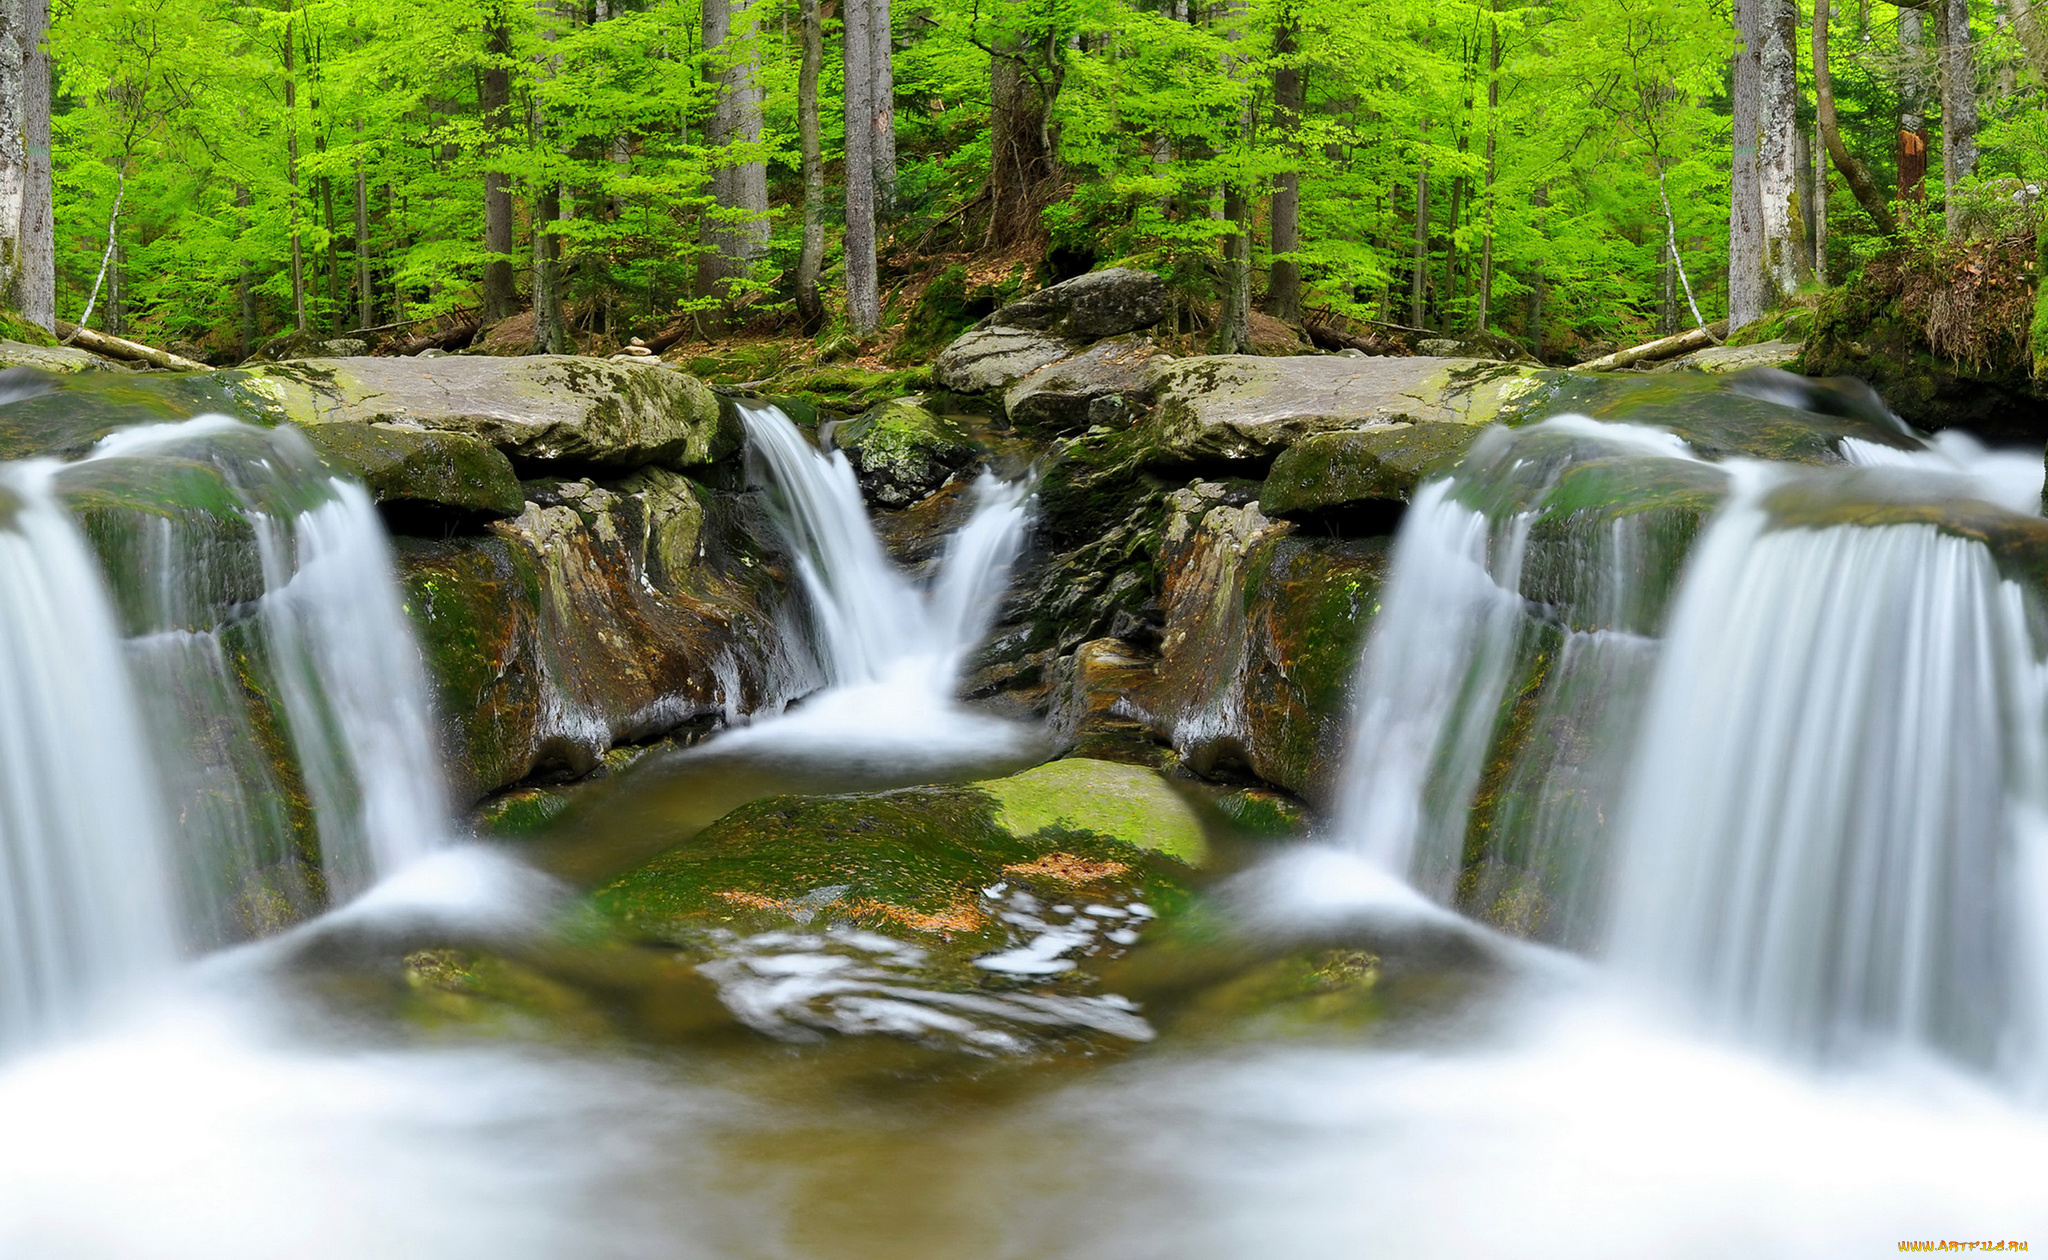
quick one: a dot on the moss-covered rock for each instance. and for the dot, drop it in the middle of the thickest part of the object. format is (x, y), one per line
(1333, 470)
(1125, 803)
(450, 471)
(1732, 358)
(1052, 324)
(1247, 408)
(49, 357)
(538, 409)
(901, 452)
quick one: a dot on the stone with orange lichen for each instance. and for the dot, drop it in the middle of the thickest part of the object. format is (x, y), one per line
(1066, 868)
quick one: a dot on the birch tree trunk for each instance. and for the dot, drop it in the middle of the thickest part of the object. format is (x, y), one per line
(810, 305)
(28, 257)
(1959, 121)
(882, 102)
(863, 297)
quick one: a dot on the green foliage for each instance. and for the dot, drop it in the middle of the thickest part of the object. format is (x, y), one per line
(1554, 136)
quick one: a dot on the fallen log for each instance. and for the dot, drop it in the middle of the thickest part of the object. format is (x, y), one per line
(1655, 351)
(121, 348)
(444, 339)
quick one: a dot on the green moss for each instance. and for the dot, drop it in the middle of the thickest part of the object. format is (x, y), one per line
(14, 328)
(1326, 470)
(2037, 336)
(1129, 804)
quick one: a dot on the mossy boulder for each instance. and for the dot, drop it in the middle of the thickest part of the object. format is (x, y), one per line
(1263, 627)
(1336, 470)
(452, 472)
(1763, 354)
(1248, 408)
(1052, 324)
(538, 409)
(902, 453)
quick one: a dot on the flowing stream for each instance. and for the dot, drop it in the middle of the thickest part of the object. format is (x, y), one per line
(1763, 752)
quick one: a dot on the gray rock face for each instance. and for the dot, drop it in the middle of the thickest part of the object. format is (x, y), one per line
(441, 470)
(981, 360)
(1050, 325)
(1765, 354)
(1102, 385)
(538, 409)
(1242, 407)
(1089, 308)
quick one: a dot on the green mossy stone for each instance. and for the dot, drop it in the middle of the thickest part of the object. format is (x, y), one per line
(448, 470)
(1126, 803)
(1386, 465)
(903, 452)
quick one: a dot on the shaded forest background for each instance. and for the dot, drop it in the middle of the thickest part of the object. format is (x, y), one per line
(1557, 173)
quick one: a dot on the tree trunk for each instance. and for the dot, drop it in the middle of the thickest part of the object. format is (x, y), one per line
(1283, 283)
(1747, 294)
(28, 234)
(245, 283)
(1820, 191)
(1539, 201)
(550, 335)
(1861, 182)
(501, 293)
(366, 305)
(810, 262)
(1492, 139)
(1667, 307)
(1958, 100)
(882, 102)
(1234, 325)
(2030, 29)
(737, 231)
(291, 168)
(1777, 151)
(863, 297)
(1803, 155)
(1418, 284)
(1021, 162)
(1913, 79)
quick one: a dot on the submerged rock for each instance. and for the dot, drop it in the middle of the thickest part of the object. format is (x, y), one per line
(537, 409)
(902, 453)
(422, 469)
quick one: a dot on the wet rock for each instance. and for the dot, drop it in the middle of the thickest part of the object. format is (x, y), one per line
(19, 354)
(1367, 466)
(1767, 354)
(1263, 628)
(1242, 407)
(1052, 324)
(602, 614)
(1106, 384)
(1091, 714)
(415, 468)
(902, 453)
(539, 409)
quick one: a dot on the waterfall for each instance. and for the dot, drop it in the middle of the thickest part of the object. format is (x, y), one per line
(1797, 785)
(213, 717)
(874, 624)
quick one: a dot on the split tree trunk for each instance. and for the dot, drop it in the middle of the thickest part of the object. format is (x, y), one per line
(28, 257)
(810, 263)
(1861, 182)
(1913, 93)
(1021, 167)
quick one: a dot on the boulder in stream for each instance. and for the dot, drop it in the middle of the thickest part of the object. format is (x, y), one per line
(422, 469)
(902, 452)
(1052, 324)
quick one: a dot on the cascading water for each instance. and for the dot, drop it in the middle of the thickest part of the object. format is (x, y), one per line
(1803, 792)
(213, 718)
(874, 623)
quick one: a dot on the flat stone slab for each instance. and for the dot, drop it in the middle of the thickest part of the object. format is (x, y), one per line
(19, 354)
(537, 408)
(1243, 407)
(1764, 354)
(1101, 385)
(1054, 323)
